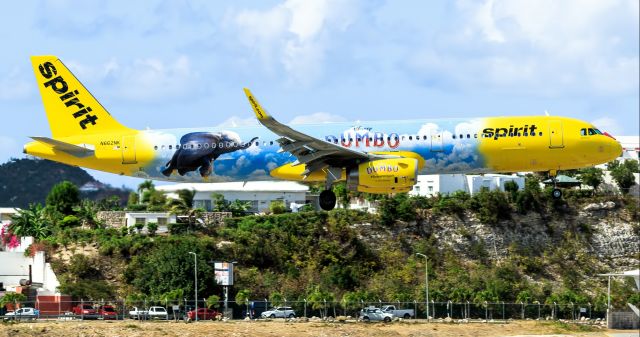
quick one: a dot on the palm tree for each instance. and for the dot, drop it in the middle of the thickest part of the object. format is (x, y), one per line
(184, 206)
(146, 185)
(30, 222)
(239, 207)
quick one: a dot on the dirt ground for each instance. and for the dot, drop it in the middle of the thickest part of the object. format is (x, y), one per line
(281, 328)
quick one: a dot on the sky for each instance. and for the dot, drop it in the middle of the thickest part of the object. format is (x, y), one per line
(164, 64)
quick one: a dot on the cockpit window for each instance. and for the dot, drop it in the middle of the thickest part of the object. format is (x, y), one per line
(583, 132)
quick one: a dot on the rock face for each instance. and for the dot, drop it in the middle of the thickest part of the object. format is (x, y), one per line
(607, 232)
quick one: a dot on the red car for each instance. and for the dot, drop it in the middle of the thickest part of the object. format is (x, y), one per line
(108, 312)
(203, 314)
(85, 310)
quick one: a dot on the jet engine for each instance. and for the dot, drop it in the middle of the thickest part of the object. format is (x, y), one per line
(384, 176)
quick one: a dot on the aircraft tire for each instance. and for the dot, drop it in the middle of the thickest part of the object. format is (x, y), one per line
(556, 193)
(327, 200)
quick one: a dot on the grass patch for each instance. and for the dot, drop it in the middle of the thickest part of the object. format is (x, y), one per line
(132, 326)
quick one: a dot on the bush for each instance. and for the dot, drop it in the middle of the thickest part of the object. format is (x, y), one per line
(152, 228)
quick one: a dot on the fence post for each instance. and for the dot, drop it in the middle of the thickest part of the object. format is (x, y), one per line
(305, 308)
(503, 310)
(82, 309)
(486, 311)
(553, 312)
(589, 310)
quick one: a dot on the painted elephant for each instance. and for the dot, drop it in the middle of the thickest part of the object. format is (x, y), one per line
(198, 150)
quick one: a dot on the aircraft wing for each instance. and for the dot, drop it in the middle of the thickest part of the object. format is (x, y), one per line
(313, 152)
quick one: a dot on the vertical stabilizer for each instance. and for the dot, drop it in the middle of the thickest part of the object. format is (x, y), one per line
(70, 107)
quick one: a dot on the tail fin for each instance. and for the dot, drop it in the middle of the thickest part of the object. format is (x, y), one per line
(70, 107)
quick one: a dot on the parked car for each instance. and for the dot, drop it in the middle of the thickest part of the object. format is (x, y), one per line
(279, 312)
(85, 310)
(158, 313)
(404, 313)
(22, 313)
(375, 314)
(108, 312)
(203, 314)
(136, 313)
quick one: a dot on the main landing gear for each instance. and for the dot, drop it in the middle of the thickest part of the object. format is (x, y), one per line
(327, 200)
(327, 197)
(556, 193)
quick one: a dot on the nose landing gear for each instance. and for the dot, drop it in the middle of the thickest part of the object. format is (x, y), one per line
(556, 193)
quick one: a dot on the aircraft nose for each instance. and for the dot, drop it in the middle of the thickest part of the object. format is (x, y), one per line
(615, 149)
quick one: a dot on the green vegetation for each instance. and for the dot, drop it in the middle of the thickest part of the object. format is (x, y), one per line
(623, 172)
(342, 255)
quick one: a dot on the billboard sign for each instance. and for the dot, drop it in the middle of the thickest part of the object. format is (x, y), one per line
(224, 273)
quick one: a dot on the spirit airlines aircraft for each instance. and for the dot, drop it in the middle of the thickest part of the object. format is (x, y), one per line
(373, 157)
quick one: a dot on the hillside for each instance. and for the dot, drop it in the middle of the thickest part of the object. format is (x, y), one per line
(552, 254)
(25, 181)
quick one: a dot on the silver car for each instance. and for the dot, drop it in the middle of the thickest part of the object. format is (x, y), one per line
(279, 312)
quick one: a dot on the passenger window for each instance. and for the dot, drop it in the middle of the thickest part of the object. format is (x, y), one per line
(475, 135)
(257, 143)
(539, 133)
(213, 145)
(453, 136)
(271, 143)
(170, 147)
(461, 136)
(424, 137)
(468, 136)
(410, 138)
(155, 147)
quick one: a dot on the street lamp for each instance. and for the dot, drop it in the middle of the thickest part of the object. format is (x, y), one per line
(195, 273)
(426, 281)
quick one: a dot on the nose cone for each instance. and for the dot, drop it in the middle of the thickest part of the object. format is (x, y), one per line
(615, 149)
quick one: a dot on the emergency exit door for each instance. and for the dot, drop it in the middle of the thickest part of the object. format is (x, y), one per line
(556, 139)
(129, 150)
(436, 142)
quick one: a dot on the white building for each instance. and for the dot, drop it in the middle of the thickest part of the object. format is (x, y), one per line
(630, 147)
(433, 184)
(6, 213)
(145, 218)
(259, 193)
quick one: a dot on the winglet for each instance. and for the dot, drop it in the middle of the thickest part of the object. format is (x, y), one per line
(257, 108)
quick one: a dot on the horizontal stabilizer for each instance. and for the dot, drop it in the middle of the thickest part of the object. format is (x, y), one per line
(74, 150)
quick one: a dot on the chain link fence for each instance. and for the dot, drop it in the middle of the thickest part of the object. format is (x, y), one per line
(120, 309)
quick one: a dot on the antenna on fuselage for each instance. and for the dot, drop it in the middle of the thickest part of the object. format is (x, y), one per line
(546, 113)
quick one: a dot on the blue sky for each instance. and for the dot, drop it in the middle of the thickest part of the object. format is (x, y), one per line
(162, 64)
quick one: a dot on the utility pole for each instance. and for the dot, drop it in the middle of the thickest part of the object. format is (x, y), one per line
(195, 273)
(426, 281)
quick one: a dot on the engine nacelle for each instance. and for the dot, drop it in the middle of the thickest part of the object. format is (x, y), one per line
(384, 176)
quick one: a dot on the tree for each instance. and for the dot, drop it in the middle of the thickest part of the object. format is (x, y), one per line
(591, 176)
(213, 301)
(342, 194)
(239, 207)
(87, 212)
(276, 298)
(219, 203)
(277, 207)
(146, 185)
(512, 188)
(623, 172)
(30, 222)
(152, 228)
(319, 298)
(242, 297)
(63, 197)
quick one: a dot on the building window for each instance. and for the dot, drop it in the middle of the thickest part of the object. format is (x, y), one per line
(161, 221)
(140, 221)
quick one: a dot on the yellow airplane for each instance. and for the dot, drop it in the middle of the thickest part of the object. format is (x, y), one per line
(373, 157)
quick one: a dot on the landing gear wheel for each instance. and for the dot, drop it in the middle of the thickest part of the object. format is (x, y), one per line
(327, 200)
(556, 193)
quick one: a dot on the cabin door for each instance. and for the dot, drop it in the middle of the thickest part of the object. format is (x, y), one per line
(129, 150)
(556, 139)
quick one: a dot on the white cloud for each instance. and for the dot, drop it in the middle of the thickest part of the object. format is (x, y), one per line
(294, 34)
(317, 118)
(543, 47)
(142, 79)
(235, 121)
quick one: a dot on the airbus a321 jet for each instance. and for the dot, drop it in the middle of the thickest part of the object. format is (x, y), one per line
(374, 157)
